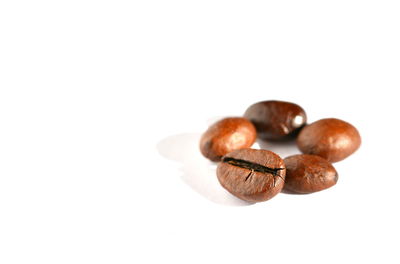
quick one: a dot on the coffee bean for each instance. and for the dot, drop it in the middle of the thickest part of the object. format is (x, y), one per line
(252, 175)
(330, 138)
(276, 120)
(227, 135)
(308, 174)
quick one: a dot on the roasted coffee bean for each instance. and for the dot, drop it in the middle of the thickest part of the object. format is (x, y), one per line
(308, 174)
(330, 138)
(276, 120)
(253, 175)
(227, 135)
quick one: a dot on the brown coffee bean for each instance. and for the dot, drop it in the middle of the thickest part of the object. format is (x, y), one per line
(276, 120)
(308, 174)
(252, 175)
(227, 135)
(330, 138)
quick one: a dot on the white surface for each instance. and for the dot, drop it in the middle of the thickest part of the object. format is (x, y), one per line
(102, 104)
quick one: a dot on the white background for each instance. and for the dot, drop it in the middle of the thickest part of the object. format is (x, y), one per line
(102, 104)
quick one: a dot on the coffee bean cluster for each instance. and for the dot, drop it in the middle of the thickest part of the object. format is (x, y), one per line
(257, 175)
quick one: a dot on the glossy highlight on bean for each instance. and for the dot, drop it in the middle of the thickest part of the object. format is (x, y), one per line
(227, 135)
(276, 120)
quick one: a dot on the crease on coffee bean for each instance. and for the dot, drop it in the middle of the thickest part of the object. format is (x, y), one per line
(249, 175)
(274, 179)
(254, 167)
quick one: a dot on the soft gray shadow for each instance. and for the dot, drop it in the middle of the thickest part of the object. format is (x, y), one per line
(282, 148)
(197, 172)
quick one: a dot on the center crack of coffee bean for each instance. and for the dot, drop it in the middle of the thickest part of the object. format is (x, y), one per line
(252, 166)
